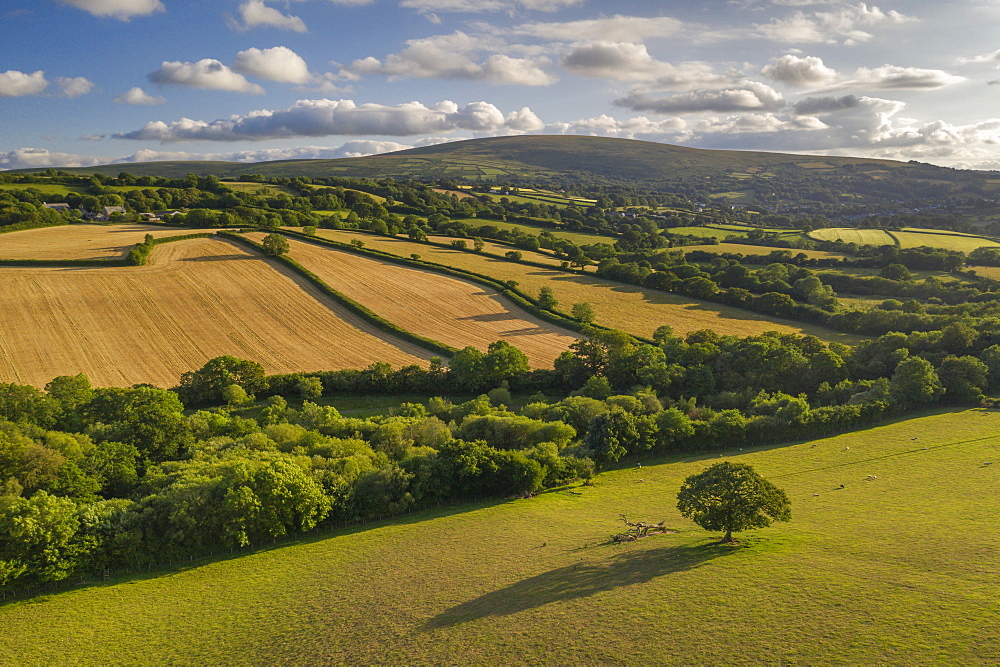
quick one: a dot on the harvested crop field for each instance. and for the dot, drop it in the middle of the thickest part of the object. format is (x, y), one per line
(501, 249)
(81, 241)
(196, 300)
(445, 309)
(851, 235)
(636, 310)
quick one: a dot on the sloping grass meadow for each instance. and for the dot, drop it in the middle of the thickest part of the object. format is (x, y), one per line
(960, 242)
(851, 235)
(899, 570)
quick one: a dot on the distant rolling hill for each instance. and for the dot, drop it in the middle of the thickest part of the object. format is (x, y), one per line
(594, 160)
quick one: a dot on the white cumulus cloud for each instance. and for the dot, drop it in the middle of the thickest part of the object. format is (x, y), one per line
(75, 86)
(206, 73)
(670, 129)
(806, 71)
(275, 64)
(119, 9)
(14, 83)
(892, 77)
(28, 158)
(471, 6)
(616, 28)
(848, 25)
(454, 56)
(748, 96)
(255, 13)
(628, 61)
(139, 97)
(317, 118)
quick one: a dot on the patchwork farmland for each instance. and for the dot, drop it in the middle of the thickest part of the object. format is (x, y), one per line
(452, 311)
(632, 309)
(197, 299)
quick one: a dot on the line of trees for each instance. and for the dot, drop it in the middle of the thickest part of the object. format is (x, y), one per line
(93, 479)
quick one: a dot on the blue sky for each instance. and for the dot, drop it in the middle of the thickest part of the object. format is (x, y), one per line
(85, 82)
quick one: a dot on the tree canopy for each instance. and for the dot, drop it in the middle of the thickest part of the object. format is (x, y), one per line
(732, 497)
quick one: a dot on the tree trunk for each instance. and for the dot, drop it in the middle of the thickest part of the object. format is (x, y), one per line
(729, 536)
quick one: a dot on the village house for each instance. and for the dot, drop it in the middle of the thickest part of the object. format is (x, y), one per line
(108, 211)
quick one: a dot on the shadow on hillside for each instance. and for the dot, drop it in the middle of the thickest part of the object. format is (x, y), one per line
(43, 594)
(580, 581)
(490, 317)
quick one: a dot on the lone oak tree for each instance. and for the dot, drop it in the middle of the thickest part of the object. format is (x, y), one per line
(732, 497)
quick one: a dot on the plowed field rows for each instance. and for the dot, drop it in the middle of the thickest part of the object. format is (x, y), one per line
(81, 241)
(197, 299)
(636, 310)
(452, 311)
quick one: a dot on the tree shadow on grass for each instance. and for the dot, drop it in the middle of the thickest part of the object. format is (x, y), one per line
(580, 581)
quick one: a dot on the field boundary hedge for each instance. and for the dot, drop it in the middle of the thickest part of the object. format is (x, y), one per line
(358, 309)
(138, 255)
(140, 252)
(23, 226)
(519, 298)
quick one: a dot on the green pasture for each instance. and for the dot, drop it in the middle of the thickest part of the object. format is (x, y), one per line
(898, 570)
(735, 197)
(947, 241)
(45, 188)
(703, 232)
(851, 235)
(270, 189)
(579, 238)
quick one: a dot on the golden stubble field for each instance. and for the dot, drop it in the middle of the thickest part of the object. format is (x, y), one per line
(196, 300)
(82, 241)
(452, 311)
(636, 310)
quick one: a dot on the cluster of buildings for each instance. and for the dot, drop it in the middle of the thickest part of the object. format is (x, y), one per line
(107, 211)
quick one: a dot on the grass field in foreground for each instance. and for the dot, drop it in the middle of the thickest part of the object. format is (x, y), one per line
(632, 309)
(901, 570)
(82, 241)
(197, 300)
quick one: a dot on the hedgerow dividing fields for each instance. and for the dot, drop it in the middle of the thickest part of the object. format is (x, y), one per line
(632, 309)
(198, 299)
(445, 309)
